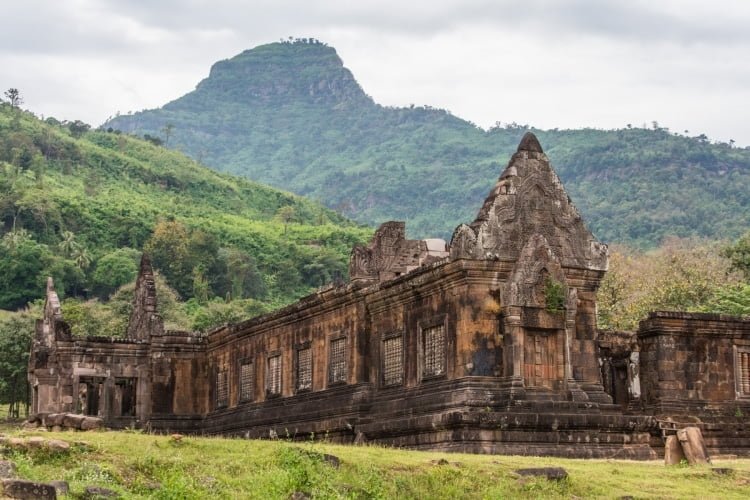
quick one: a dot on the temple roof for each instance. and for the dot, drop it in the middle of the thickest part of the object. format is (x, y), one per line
(529, 199)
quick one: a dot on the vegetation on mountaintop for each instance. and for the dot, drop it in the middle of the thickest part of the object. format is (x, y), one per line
(140, 465)
(290, 115)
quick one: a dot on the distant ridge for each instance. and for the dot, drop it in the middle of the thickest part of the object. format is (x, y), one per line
(291, 115)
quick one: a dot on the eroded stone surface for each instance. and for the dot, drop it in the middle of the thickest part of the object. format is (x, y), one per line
(551, 473)
(7, 469)
(693, 446)
(61, 487)
(529, 199)
(29, 490)
(98, 493)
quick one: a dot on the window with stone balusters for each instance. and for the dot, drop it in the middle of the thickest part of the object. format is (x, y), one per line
(273, 375)
(393, 360)
(247, 381)
(337, 366)
(222, 389)
(743, 373)
(304, 369)
(433, 351)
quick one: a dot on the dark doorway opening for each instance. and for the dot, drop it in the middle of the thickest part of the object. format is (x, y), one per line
(125, 391)
(90, 395)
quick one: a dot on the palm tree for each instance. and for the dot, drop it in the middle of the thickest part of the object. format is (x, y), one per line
(81, 257)
(68, 245)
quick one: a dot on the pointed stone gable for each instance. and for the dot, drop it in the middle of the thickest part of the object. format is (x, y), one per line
(52, 309)
(529, 199)
(389, 254)
(52, 326)
(145, 320)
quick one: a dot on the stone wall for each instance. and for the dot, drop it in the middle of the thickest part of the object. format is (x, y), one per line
(692, 362)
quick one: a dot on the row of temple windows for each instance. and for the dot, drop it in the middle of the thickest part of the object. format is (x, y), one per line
(433, 364)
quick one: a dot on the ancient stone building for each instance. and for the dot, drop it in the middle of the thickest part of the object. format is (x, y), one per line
(488, 344)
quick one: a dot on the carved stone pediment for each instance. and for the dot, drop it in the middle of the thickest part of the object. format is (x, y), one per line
(145, 320)
(528, 199)
(464, 243)
(537, 263)
(389, 254)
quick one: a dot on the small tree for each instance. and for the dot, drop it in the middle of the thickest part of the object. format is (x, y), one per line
(167, 129)
(285, 214)
(115, 269)
(14, 97)
(78, 128)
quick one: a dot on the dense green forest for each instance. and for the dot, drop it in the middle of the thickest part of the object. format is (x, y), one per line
(81, 205)
(291, 115)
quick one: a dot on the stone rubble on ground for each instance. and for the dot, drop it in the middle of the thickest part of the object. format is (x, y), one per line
(63, 421)
(19, 488)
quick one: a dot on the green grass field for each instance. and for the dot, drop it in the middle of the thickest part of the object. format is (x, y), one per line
(140, 465)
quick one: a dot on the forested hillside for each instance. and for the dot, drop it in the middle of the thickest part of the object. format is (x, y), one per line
(291, 115)
(81, 205)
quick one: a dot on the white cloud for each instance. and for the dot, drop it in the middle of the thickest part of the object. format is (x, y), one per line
(547, 63)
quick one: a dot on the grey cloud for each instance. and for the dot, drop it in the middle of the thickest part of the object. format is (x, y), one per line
(633, 20)
(107, 26)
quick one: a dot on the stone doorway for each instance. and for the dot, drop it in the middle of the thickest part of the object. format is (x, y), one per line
(125, 393)
(90, 395)
(543, 359)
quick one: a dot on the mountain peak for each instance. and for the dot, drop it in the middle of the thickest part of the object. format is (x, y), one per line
(303, 69)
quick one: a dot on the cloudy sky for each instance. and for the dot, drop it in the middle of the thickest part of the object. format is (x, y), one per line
(564, 63)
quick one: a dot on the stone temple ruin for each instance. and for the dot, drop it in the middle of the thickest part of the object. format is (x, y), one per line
(487, 345)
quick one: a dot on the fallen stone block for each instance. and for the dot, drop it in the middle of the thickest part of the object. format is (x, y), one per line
(550, 473)
(17, 443)
(7, 469)
(332, 460)
(693, 445)
(72, 421)
(722, 471)
(54, 419)
(97, 493)
(58, 445)
(36, 418)
(91, 423)
(673, 454)
(35, 442)
(61, 487)
(18, 488)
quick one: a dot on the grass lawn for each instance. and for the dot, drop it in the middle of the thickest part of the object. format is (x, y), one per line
(140, 465)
